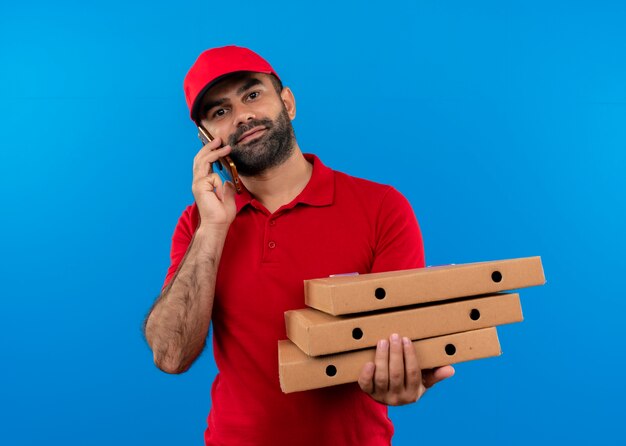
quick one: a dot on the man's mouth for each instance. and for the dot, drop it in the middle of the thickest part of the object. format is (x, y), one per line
(251, 134)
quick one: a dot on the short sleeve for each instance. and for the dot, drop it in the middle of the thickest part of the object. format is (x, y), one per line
(399, 242)
(183, 233)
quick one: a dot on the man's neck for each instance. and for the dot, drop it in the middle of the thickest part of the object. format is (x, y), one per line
(281, 184)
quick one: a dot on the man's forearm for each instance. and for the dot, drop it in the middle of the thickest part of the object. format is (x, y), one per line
(177, 326)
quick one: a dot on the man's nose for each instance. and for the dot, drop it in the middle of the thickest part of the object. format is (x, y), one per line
(243, 115)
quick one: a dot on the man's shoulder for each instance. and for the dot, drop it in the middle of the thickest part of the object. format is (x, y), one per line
(189, 219)
(361, 186)
(343, 179)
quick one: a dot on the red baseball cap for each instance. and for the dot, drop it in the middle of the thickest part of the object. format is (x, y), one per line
(215, 63)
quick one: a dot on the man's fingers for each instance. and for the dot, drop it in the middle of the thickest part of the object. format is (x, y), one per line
(396, 364)
(229, 191)
(412, 372)
(208, 183)
(433, 376)
(212, 145)
(366, 378)
(203, 160)
(219, 187)
(395, 377)
(381, 360)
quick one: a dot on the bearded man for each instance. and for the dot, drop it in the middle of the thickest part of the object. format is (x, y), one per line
(239, 261)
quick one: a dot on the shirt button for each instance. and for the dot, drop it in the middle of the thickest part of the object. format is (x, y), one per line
(272, 245)
(272, 222)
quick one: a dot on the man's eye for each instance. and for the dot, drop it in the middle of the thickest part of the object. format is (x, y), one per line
(253, 95)
(219, 112)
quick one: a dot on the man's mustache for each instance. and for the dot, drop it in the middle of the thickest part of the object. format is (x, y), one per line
(267, 123)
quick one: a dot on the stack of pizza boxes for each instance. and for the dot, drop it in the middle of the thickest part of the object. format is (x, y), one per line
(449, 312)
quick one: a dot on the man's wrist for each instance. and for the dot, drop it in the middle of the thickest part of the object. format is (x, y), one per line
(211, 236)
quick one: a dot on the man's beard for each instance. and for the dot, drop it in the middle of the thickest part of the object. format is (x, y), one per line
(266, 151)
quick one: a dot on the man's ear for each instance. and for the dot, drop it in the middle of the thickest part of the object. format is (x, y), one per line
(290, 102)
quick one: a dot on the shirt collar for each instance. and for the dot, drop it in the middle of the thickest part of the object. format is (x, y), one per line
(319, 191)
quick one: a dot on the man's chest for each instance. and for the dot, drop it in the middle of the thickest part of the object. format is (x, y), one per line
(267, 258)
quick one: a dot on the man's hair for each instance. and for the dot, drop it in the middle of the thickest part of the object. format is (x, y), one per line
(278, 85)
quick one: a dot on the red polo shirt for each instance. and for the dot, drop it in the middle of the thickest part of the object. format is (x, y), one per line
(338, 224)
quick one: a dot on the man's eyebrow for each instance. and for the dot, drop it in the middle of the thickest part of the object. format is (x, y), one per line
(248, 85)
(209, 105)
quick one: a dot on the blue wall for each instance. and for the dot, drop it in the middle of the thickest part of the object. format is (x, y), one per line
(504, 123)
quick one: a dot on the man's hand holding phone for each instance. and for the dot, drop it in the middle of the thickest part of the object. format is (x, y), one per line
(215, 199)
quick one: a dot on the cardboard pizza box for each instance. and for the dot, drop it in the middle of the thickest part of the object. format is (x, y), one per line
(317, 333)
(369, 292)
(298, 371)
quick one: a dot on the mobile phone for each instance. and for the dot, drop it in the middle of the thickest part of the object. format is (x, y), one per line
(225, 167)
